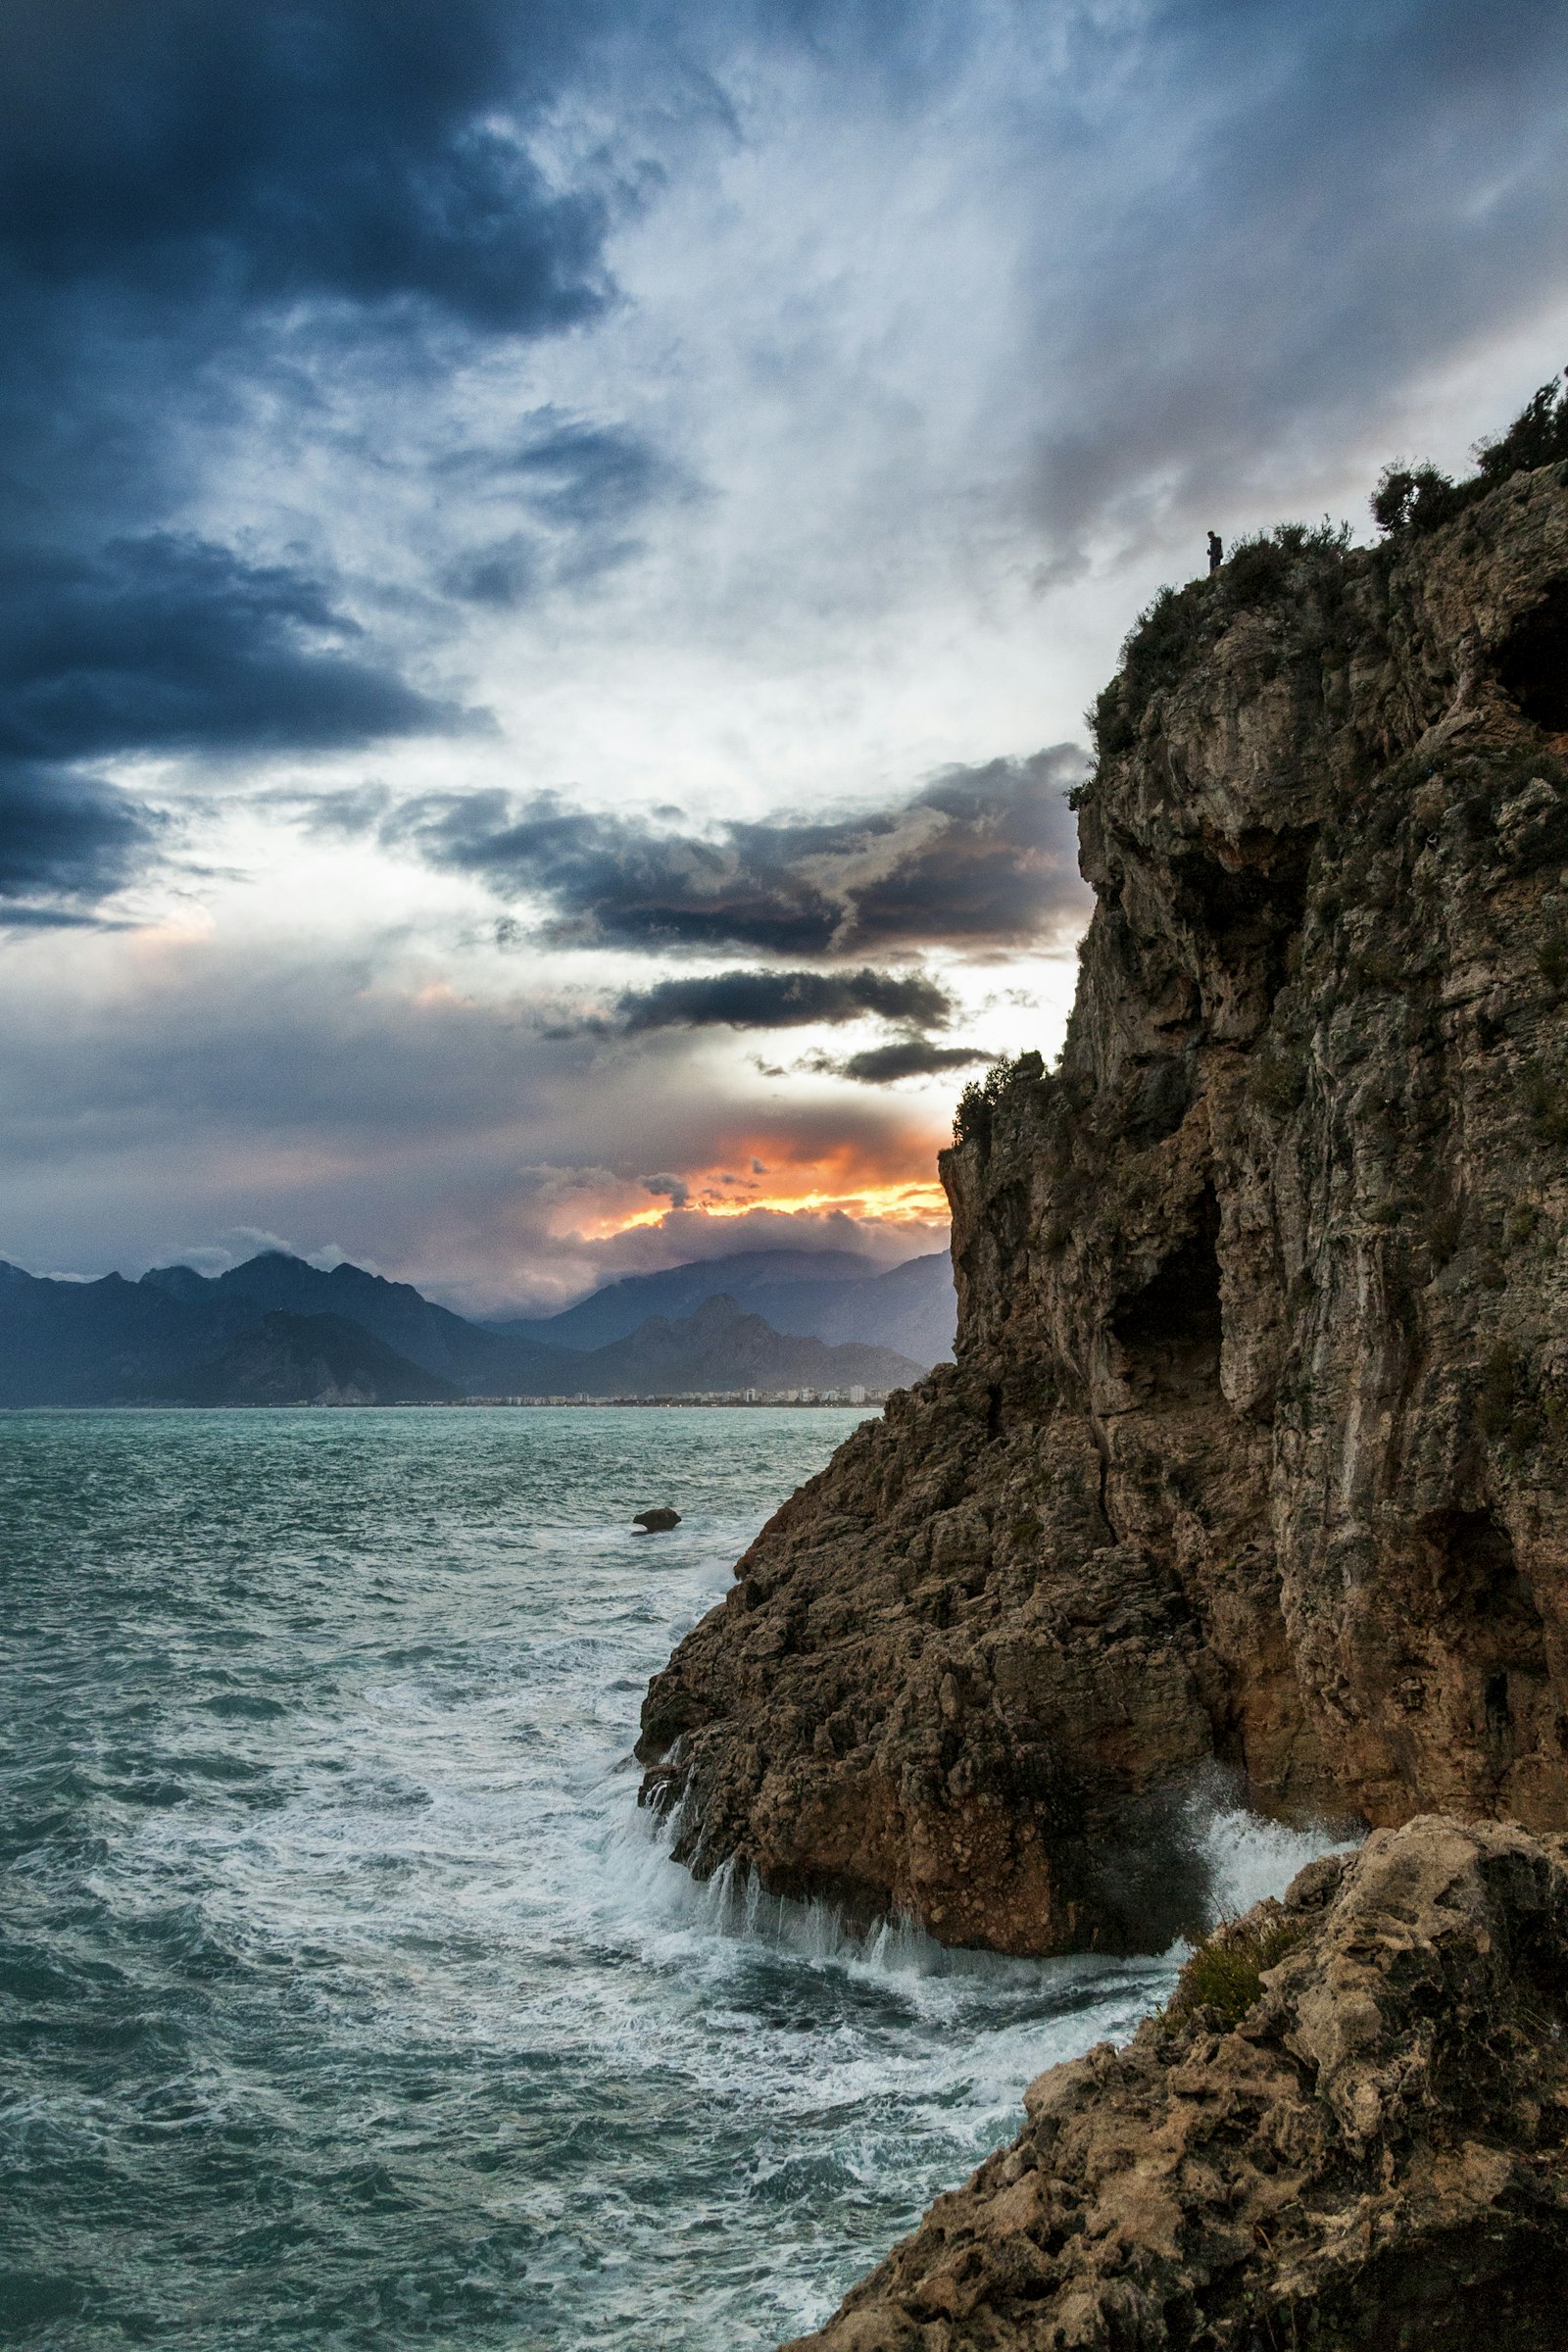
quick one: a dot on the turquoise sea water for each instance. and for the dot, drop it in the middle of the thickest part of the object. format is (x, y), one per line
(346, 1999)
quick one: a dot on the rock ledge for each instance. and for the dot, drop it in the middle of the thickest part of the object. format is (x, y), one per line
(1375, 2156)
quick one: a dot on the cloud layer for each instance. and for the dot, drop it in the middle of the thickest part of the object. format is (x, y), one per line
(312, 149)
(764, 999)
(909, 1058)
(979, 860)
(179, 187)
(160, 1102)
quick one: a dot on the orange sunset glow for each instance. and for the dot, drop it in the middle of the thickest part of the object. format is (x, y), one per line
(893, 1182)
(890, 1205)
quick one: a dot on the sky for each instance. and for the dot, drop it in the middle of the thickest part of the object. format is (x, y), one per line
(553, 560)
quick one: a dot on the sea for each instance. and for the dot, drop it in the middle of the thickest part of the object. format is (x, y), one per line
(347, 1998)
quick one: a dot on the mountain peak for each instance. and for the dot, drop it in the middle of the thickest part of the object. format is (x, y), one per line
(180, 1282)
(716, 1312)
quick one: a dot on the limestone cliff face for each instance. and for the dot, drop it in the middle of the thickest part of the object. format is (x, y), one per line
(1253, 1449)
(1374, 2154)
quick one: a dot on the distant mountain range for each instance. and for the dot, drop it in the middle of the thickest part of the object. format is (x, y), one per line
(823, 1294)
(278, 1331)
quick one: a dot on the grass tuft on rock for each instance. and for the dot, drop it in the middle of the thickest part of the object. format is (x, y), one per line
(1225, 1973)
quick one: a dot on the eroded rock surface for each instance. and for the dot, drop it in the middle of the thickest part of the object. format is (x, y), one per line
(1376, 2156)
(1253, 1447)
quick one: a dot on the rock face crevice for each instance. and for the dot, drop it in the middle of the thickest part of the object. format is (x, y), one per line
(1253, 1447)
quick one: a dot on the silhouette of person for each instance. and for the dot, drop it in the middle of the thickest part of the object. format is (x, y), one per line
(1216, 551)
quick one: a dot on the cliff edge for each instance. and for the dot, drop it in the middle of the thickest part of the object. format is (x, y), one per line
(1253, 1447)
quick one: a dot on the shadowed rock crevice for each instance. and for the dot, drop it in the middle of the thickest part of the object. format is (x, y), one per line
(1532, 662)
(1250, 906)
(1169, 1332)
(1475, 1574)
(1486, 1613)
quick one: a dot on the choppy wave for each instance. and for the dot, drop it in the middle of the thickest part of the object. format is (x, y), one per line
(347, 1997)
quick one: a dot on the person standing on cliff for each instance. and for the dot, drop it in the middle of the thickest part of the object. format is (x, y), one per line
(1216, 553)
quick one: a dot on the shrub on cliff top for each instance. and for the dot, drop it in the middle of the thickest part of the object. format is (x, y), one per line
(1226, 1971)
(1155, 650)
(1293, 558)
(982, 1096)
(1537, 436)
(1413, 498)
(1417, 498)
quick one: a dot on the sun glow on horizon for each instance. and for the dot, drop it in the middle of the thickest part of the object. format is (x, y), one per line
(772, 1177)
(914, 1204)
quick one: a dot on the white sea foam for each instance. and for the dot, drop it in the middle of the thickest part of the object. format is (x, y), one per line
(1248, 1856)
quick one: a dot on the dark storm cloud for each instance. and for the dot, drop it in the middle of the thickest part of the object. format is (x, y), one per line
(63, 838)
(166, 643)
(983, 858)
(579, 486)
(782, 1001)
(160, 645)
(674, 1189)
(176, 179)
(576, 471)
(907, 1058)
(292, 148)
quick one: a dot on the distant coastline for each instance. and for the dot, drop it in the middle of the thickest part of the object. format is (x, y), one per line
(871, 1402)
(740, 1399)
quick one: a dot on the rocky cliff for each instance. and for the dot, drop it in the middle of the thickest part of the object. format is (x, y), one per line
(1365, 2146)
(1253, 1449)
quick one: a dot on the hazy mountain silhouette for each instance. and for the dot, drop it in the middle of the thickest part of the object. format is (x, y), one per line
(832, 1294)
(307, 1359)
(464, 1353)
(276, 1330)
(721, 1346)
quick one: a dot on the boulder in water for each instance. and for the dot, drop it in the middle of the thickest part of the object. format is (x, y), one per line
(656, 1522)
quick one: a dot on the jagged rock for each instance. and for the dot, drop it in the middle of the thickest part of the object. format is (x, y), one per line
(656, 1522)
(1253, 1449)
(1376, 2156)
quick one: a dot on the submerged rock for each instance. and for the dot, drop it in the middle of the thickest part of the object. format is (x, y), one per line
(1374, 2155)
(1255, 1449)
(656, 1522)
